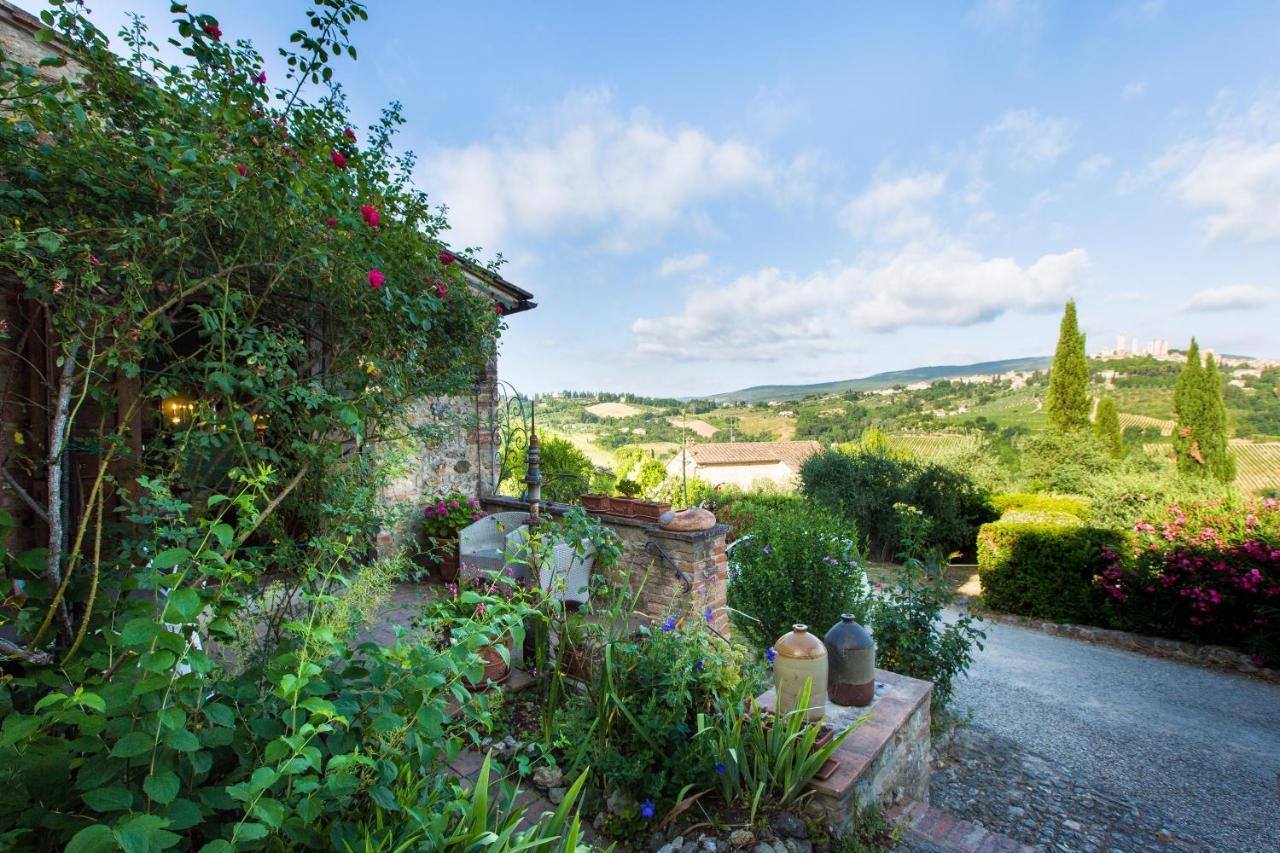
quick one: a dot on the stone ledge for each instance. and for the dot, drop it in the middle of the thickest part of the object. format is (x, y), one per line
(649, 527)
(885, 760)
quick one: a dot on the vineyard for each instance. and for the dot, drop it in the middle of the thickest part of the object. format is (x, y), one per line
(1257, 463)
(1143, 421)
(933, 445)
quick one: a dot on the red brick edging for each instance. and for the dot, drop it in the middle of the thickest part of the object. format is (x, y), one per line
(936, 829)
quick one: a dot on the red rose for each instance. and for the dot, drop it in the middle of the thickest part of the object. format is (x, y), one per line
(241, 169)
(332, 222)
(370, 214)
(497, 306)
(212, 31)
(447, 257)
(349, 134)
(338, 159)
(375, 278)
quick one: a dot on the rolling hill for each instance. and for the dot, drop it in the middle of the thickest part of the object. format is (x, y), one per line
(881, 380)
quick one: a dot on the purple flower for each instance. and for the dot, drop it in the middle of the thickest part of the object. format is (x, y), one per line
(646, 809)
(698, 666)
(766, 549)
(771, 654)
(720, 768)
(669, 625)
(707, 614)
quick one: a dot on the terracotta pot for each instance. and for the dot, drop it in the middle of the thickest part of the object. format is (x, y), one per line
(579, 661)
(625, 507)
(650, 511)
(447, 565)
(595, 503)
(801, 657)
(496, 670)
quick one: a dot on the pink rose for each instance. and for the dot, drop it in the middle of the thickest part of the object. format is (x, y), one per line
(260, 78)
(370, 214)
(349, 133)
(375, 278)
(447, 257)
(332, 222)
(338, 159)
(240, 168)
(212, 31)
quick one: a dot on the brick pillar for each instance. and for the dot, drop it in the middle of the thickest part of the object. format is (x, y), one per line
(699, 557)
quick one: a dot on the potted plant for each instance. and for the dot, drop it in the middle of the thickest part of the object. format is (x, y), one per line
(483, 611)
(625, 504)
(595, 503)
(441, 523)
(651, 510)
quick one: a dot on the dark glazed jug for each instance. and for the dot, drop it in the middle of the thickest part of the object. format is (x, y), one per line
(851, 654)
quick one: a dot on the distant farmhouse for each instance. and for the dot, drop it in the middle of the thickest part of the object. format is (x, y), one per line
(743, 463)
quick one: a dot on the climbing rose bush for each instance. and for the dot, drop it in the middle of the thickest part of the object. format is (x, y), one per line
(1208, 572)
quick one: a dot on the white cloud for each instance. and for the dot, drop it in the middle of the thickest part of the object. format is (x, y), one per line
(1134, 89)
(1233, 175)
(683, 264)
(771, 314)
(894, 209)
(589, 167)
(1091, 166)
(1032, 139)
(1233, 297)
(1026, 16)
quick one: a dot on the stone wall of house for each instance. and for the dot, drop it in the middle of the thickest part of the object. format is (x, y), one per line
(462, 458)
(17, 38)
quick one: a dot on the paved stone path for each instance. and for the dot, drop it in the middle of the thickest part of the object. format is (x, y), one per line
(1076, 746)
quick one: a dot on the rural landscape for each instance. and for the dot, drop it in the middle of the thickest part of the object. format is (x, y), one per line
(679, 428)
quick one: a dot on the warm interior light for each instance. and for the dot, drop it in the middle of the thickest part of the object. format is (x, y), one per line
(176, 410)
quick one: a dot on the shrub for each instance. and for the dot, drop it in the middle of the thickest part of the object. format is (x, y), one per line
(683, 493)
(911, 636)
(1070, 504)
(567, 472)
(1044, 569)
(1063, 462)
(1118, 500)
(864, 486)
(798, 565)
(1208, 572)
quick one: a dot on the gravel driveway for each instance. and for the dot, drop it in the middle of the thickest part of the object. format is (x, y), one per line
(1198, 749)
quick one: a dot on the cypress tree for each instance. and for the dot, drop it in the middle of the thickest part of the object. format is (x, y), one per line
(1106, 426)
(1186, 406)
(1069, 377)
(1213, 432)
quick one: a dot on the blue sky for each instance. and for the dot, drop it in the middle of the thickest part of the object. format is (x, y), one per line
(707, 196)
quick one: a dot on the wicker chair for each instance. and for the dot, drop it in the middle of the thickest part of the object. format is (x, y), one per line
(489, 543)
(567, 575)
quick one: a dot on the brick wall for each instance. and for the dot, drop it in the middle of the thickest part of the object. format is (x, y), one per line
(699, 557)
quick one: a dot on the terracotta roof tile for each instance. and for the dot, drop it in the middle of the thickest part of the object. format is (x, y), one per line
(791, 453)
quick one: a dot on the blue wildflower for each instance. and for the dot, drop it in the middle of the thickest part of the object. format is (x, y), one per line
(646, 809)
(771, 654)
(669, 625)
(707, 614)
(698, 666)
(720, 768)
(766, 549)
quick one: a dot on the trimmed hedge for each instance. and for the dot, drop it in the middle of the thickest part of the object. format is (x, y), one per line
(1069, 504)
(1045, 569)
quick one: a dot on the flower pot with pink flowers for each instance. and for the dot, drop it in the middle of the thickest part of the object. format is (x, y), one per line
(442, 520)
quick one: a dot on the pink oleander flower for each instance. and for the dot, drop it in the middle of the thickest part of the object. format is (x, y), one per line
(375, 278)
(447, 257)
(240, 168)
(332, 222)
(338, 159)
(370, 214)
(212, 31)
(349, 133)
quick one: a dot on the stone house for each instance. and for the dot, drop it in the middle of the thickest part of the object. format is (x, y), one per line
(743, 463)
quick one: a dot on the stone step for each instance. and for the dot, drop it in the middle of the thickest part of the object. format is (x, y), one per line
(931, 830)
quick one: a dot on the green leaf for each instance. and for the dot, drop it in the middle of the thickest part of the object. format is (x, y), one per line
(270, 811)
(251, 832)
(132, 745)
(50, 242)
(144, 833)
(381, 795)
(224, 534)
(182, 740)
(183, 814)
(220, 715)
(170, 558)
(185, 604)
(217, 846)
(162, 787)
(139, 632)
(114, 799)
(92, 839)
